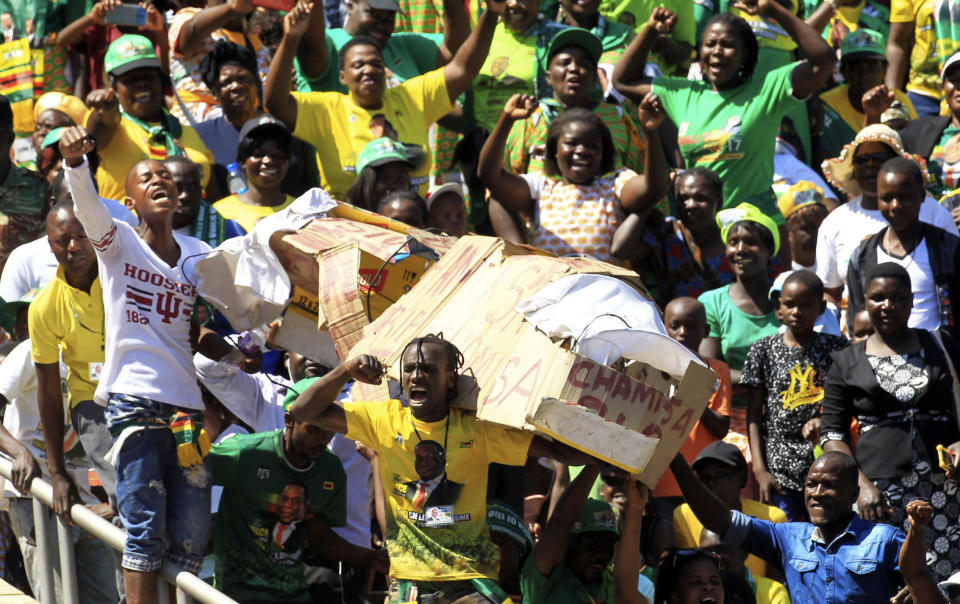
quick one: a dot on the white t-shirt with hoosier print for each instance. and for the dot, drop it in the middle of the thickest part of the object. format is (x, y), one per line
(147, 305)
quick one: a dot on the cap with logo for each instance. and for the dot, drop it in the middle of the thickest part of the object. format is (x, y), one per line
(384, 5)
(503, 520)
(597, 517)
(382, 151)
(863, 44)
(129, 52)
(574, 36)
(800, 195)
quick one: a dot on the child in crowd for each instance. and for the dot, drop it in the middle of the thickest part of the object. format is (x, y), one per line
(382, 167)
(784, 375)
(686, 322)
(446, 210)
(862, 326)
(578, 201)
(406, 207)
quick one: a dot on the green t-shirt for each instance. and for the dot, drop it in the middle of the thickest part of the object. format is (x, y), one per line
(735, 329)
(405, 56)
(944, 164)
(562, 587)
(732, 132)
(265, 512)
(835, 132)
(512, 67)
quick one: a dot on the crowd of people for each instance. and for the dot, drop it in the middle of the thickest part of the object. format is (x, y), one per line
(783, 175)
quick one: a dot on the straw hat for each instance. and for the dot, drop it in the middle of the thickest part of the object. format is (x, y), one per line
(839, 170)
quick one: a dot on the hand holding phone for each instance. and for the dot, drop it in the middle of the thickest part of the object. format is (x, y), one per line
(130, 15)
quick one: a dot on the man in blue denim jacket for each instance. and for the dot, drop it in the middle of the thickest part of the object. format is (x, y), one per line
(835, 558)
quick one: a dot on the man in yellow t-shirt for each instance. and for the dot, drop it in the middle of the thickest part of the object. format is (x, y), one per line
(911, 21)
(129, 120)
(66, 321)
(721, 468)
(433, 466)
(339, 125)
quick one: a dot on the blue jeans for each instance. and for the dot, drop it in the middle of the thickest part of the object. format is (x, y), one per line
(926, 106)
(165, 507)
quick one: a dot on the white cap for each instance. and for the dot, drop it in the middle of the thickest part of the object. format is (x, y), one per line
(448, 187)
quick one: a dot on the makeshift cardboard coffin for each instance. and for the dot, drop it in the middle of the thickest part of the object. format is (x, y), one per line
(360, 263)
(516, 376)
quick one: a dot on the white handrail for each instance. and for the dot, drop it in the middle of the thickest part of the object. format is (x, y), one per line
(187, 583)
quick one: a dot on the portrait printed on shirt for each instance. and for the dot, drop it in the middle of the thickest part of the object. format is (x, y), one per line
(281, 530)
(432, 496)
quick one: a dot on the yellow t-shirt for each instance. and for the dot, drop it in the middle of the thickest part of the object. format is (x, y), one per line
(771, 592)
(436, 522)
(340, 129)
(129, 145)
(924, 61)
(246, 215)
(838, 100)
(68, 322)
(686, 528)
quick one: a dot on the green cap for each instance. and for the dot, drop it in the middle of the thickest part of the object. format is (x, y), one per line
(597, 517)
(10, 310)
(129, 52)
(52, 137)
(501, 519)
(574, 36)
(863, 44)
(296, 390)
(381, 151)
(747, 211)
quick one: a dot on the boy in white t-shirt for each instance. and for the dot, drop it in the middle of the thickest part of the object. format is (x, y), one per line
(148, 380)
(930, 254)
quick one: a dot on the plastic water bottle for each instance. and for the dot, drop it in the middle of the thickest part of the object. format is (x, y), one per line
(236, 182)
(252, 341)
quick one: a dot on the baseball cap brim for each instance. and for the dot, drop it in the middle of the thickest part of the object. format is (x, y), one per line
(862, 53)
(384, 5)
(128, 67)
(951, 61)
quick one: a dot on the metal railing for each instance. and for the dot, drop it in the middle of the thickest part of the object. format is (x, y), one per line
(189, 587)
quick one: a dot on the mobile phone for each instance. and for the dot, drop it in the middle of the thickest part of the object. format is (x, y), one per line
(945, 457)
(127, 14)
(284, 5)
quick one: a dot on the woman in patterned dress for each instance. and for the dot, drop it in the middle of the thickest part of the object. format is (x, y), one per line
(899, 384)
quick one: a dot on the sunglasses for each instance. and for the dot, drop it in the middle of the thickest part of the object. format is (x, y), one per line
(866, 158)
(673, 558)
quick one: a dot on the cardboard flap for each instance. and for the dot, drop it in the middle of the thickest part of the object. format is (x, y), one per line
(339, 295)
(686, 407)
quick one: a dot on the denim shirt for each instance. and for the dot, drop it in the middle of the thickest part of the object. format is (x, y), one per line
(859, 566)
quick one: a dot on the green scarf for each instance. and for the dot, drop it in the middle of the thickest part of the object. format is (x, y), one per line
(163, 136)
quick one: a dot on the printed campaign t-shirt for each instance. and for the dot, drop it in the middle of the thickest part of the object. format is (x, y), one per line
(946, 26)
(792, 381)
(266, 510)
(436, 521)
(66, 322)
(924, 76)
(944, 163)
(732, 132)
(339, 128)
(151, 304)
